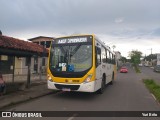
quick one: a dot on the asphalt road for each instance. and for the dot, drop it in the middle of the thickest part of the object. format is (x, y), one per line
(147, 72)
(127, 93)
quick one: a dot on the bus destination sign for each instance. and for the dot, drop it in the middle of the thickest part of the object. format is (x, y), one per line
(72, 40)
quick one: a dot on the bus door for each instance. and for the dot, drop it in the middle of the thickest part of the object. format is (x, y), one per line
(98, 63)
(109, 66)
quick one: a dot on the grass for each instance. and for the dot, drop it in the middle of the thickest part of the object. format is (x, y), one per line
(153, 88)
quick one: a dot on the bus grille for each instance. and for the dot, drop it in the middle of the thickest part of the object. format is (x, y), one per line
(72, 87)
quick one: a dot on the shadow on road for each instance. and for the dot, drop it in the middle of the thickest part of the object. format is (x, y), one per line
(79, 95)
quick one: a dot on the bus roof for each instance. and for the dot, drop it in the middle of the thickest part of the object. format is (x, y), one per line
(94, 36)
(75, 35)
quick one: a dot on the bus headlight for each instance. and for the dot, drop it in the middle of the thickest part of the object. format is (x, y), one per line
(49, 78)
(88, 78)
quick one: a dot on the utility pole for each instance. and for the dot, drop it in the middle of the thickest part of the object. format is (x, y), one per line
(151, 50)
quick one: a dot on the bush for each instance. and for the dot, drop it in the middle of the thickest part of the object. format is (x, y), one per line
(136, 68)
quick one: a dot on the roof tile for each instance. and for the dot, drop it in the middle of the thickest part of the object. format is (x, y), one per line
(17, 44)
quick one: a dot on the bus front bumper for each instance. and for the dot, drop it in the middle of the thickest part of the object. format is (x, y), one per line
(83, 87)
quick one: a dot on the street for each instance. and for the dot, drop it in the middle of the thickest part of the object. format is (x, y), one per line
(128, 93)
(147, 72)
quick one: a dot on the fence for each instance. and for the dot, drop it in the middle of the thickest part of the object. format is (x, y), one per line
(18, 80)
(20, 75)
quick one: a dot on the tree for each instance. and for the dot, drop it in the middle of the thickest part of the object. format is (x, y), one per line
(150, 57)
(135, 56)
(123, 59)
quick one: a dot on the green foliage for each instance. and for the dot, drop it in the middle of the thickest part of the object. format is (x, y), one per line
(150, 57)
(153, 88)
(123, 59)
(135, 56)
(137, 69)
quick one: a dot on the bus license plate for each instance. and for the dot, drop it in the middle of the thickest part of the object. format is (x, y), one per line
(66, 89)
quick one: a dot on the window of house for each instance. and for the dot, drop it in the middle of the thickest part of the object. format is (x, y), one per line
(27, 61)
(3, 57)
(42, 43)
(48, 44)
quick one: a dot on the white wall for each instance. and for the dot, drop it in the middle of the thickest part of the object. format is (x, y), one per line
(158, 59)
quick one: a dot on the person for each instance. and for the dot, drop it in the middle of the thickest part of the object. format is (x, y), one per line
(2, 85)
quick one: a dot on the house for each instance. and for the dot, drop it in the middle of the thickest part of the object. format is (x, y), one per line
(118, 59)
(39, 64)
(158, 59)
(15, 55)
(42, 40)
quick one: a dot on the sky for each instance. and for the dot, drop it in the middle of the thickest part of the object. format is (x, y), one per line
(127, 24)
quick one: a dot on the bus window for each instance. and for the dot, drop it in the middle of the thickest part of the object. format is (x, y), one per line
(108, 57)
(103, 55)
(111, 58)
(98, 56)
(110, 54)
(114, 61)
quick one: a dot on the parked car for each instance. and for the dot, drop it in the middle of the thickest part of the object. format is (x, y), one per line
(123, 70)
(140, 65)
(156, 68)
(146, 65)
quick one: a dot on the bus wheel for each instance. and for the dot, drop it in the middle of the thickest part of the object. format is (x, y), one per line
(101, 90)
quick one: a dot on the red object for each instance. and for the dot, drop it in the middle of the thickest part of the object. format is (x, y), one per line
(123, 70)
(17, 44)
(1, 79)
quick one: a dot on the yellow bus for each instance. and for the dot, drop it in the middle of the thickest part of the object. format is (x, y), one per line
(80, 63)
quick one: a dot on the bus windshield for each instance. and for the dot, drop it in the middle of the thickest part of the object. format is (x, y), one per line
(75, 57)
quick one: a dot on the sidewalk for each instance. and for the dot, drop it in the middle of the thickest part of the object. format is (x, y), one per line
(36, 90)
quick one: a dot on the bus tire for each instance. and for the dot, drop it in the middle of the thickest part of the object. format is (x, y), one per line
(103, 84)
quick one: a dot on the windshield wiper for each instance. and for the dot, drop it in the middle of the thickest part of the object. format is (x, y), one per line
(75, 50)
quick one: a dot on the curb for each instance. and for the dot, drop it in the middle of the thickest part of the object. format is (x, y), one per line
(25, 99)
(28, 98)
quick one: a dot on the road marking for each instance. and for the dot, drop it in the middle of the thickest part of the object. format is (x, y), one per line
(73, 116)
(154, 97)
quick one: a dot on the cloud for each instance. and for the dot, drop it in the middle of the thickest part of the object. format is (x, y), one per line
(119, 20)
(156, 32)
(124, 21)
(70, 15)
